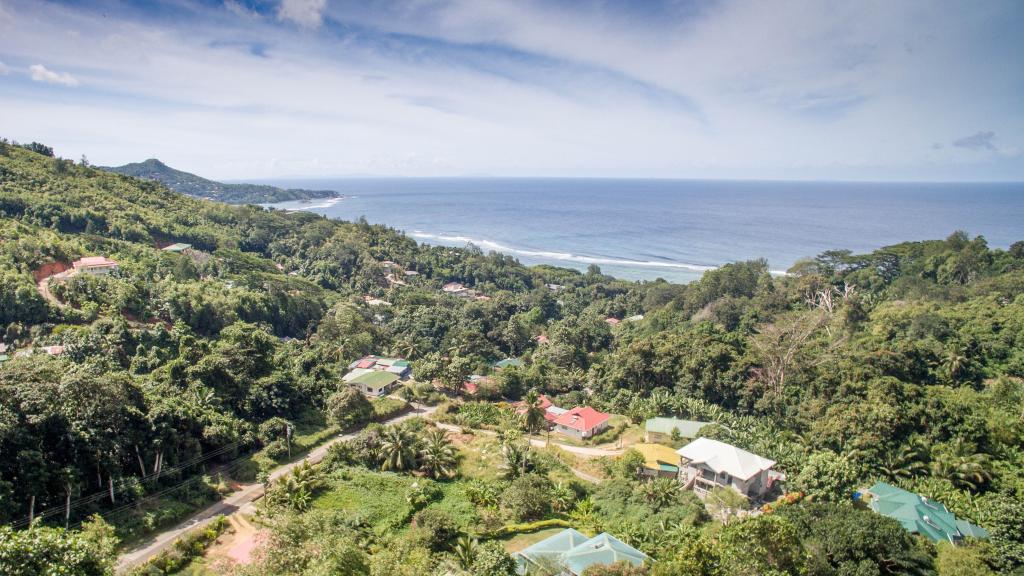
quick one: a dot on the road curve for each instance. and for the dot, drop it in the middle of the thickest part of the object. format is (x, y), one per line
(231, 504)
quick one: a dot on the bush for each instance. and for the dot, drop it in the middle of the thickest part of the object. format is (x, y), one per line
(438, 526)
(527, 497)
(492, 560)
(528, 527)
(348, 407)
(184, 550)
(387, 408)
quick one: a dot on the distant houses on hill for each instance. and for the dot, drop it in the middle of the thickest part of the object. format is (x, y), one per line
(377, 375)
(581, 422)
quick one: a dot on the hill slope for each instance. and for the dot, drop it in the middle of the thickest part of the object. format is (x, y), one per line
(188, 183)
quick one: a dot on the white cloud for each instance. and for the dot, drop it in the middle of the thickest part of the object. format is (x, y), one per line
(517, 88)
(40, 73)
(237, 8)
(307, 13)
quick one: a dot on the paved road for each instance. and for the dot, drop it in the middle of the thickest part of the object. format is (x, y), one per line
(232, 503)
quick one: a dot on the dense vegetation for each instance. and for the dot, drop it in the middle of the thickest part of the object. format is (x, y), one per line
(904, 365)
(200, 187)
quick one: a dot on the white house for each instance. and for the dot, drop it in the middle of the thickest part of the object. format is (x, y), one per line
(706, 464)
(94, 265)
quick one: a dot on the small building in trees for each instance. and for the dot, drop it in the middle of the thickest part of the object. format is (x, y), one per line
(376, 375)
(96, 265)
(706, 464)
(374, 383)
(659, 460)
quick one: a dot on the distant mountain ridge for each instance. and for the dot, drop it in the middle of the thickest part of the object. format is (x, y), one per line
(200, 187)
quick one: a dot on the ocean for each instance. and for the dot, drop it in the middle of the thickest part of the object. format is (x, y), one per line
(671, 229)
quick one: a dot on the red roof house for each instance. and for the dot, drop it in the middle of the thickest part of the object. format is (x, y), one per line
(582, 422)
(612, 321)
(470, 388)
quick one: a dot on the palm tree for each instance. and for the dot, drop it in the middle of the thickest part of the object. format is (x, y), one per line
(534, 412)
(296, 488)
(967, 471)
(398, 449)
(955, 363)
(962, 466)
(465, 551)
(905, 463)
(661, 492)
(518, 459)
(437, 456)
(562, 498)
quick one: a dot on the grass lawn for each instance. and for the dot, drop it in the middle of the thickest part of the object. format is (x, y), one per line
(378, 497)
(521, 541)
(480, 457)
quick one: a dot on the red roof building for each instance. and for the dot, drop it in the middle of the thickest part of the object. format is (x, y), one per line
(470, 388)
(582, 422)
(613, 321)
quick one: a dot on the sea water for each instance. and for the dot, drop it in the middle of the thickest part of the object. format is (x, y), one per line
(672, 229)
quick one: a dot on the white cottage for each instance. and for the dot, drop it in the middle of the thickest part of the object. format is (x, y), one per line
(706, 464)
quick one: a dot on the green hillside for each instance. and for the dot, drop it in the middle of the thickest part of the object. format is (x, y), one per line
(182, 371)
(200, 187)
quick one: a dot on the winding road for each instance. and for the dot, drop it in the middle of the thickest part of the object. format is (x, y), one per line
(232, 503)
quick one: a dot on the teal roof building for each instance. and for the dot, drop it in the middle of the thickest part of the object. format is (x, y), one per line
(686, 428)
(574, 553)
(921, 515)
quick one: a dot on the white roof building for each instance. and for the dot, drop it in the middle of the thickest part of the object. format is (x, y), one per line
(723, 458)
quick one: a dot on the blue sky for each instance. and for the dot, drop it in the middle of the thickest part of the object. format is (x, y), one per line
(908, 90)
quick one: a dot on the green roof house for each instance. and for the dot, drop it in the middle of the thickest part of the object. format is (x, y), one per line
(665, 426)
(178, 247)
(508, 362)
(574, 553)
(921, 515)
(374, 382)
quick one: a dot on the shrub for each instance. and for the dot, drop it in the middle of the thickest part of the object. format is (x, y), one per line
(438, 526)
(528, 497)
(387, 408)
(492, 560)
(347, 407)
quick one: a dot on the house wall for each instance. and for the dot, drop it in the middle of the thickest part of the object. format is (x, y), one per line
(572, 432)
(581, 435)
(753, 487)
(97, 270)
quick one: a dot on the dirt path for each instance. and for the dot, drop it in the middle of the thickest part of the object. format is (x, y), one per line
(232, 504)
(43, 286)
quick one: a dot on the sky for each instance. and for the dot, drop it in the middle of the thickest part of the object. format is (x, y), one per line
(925, 90)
